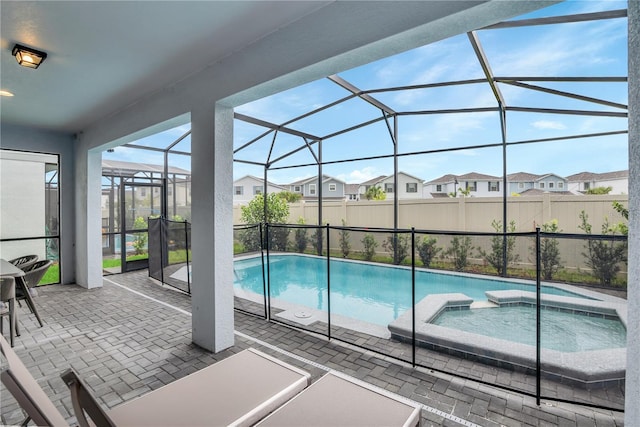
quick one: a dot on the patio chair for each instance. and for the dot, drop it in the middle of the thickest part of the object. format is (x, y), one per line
(239, 390)
(25, 286)
(8, 300)
(24, 261)
(335, 400)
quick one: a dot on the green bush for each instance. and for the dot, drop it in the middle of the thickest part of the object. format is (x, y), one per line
(460, 249)
(345, 245)
(370, 244)
(301, 238)
(427, 250)
(603, 256)
(495, 257)
(549, 250)
(398, 246)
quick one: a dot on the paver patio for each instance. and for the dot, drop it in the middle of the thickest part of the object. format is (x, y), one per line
(132, 336)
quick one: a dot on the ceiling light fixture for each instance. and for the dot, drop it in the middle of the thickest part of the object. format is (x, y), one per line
(28, 57)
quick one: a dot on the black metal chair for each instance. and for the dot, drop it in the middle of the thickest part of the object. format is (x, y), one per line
(32, 276)
(8, 300)
(24, 262)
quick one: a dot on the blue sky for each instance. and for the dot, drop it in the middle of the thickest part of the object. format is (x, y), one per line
(595, 48)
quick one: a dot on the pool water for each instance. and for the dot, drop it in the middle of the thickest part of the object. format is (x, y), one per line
(560, 330)
(368, 292)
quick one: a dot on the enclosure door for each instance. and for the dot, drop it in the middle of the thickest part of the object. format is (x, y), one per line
(140, 201)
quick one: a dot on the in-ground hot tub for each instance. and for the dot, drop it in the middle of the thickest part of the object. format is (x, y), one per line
(588, 337)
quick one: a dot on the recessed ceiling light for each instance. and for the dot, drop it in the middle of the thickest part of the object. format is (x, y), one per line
(5, 93)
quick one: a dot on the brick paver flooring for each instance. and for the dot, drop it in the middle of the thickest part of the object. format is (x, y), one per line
(125, 344)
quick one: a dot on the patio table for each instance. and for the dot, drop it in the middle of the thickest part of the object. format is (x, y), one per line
(9, 270)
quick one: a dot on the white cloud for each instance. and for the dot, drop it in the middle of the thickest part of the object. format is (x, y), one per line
(361, 175)
(548, 124)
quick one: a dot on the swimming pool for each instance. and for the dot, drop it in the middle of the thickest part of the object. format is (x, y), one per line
(368, 292)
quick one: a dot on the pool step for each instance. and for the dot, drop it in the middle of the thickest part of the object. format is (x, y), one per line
(483, 304)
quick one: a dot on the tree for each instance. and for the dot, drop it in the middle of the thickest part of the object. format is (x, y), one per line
(603, 256)
(345, 245)
(375, 193)
(495, 257)
(139, 239)
(549, 250)
(289, 196)
(460, 249)
(301, 237)
(369, 243)
(599, 190)
(277, 213)
(624, 228)
(465, 192)
(427, 250)
(398, 246)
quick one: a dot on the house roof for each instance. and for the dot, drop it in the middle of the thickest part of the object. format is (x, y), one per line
(443, 179)
(351, 188)
(467, 176)
(591, 176)
(260, 180)
(522, 177)
(325, 178)
(375, 180)
(538, 192)
(120, 168)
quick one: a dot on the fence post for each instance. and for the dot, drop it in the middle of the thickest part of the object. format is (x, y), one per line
(538, 334)
(328, 284)
(268, 271)
(413, 295)
(264, 281)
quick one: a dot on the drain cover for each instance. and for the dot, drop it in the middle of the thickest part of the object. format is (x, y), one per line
(302, 314)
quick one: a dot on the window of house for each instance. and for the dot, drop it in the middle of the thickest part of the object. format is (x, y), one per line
(257, 189)
(388, 188)
(471, 185)
(412, 187)
(586, 186)
(353, 197)
(332, 187)
(238, 190)
(494, 185)
(312, 189)
(551, 185)
(521, 185)
(156, 190)
(143, 192)
(560, 184)
(439, 188)
(297, 189)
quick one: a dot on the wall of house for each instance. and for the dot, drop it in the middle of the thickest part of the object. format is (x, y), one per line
(19, 138)
(402, 187)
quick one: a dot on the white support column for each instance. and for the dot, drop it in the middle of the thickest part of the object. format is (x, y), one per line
(88, 214)
(212, 227)
(632, 392)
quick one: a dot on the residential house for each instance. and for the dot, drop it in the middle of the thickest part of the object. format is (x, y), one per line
(584, 181)
(409, 186)
(524, 183)
(351, 192)
(332, 188)
(479, 185)
(247, 187)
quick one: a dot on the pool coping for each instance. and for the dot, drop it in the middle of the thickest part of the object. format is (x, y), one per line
(588, 368)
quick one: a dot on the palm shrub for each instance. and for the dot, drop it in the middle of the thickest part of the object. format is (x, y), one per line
(427, 250)
(301, 239)
(495, 257)
(549, 250)
(603, 256)
(139, 239)
(370, 244)
(345, 245)
(460, 249)
(398, 246)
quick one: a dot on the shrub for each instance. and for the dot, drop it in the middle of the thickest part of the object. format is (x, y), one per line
(370, 244)
(460, 249)
(345, 245)
(139, 239)
(549, 250)
(398, 246)
(277, 213)
(603, 256)
(427, 250)
(495, 257)
(301, 238)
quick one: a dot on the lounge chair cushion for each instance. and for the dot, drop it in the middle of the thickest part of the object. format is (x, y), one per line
(337, 401)
(238, 390)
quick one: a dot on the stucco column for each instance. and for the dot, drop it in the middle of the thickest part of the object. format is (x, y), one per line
(212, 227)
(88, 216)
(632, 392)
